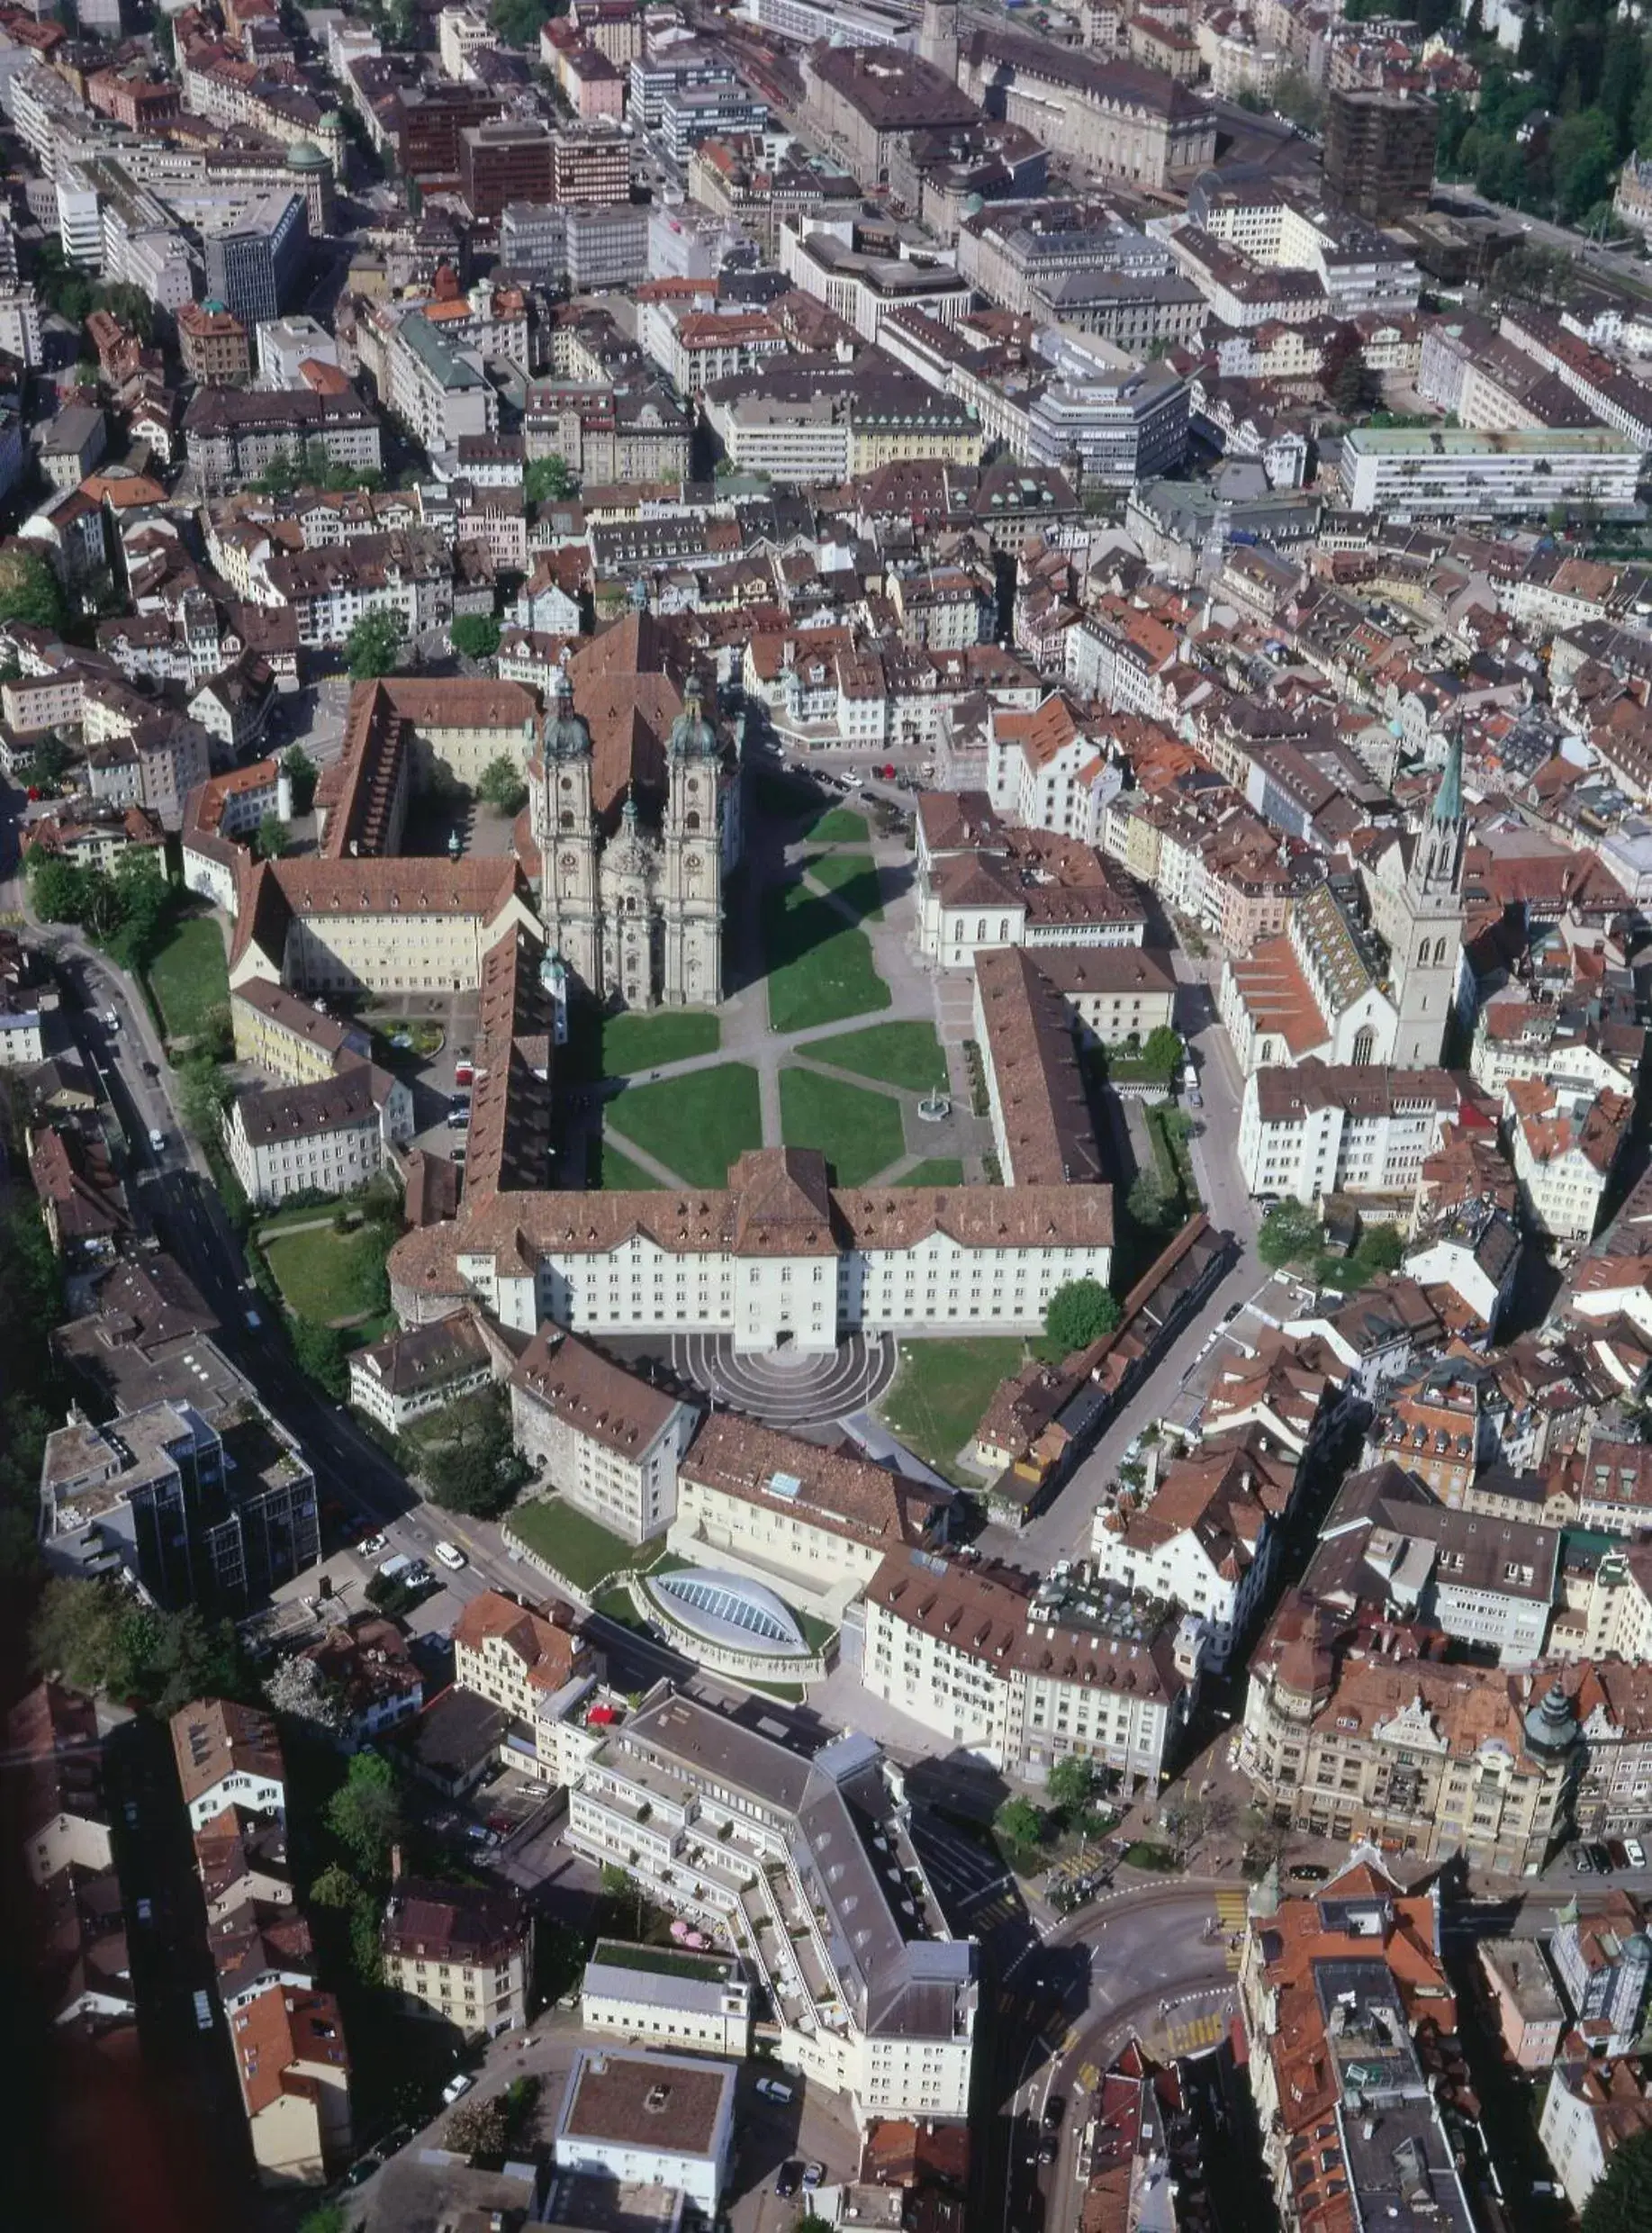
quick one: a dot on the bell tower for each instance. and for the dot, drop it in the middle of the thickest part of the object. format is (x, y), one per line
(569, 902)
(691, 866)
(937, 36)
(1428, 944)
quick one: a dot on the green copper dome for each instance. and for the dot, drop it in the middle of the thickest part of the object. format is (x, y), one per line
(692, 735)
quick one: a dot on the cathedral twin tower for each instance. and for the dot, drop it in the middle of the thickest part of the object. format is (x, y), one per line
(631, 890)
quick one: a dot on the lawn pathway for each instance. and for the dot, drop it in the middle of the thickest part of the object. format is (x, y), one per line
(640, 1156)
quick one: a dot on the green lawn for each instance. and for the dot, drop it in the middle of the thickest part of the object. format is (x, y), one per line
(620, 1175)
(838, 826)
(576, 1546)
(858, 1133)
(852, 877)
(940, 1171)
(634, 1043)
(328, 1275)
(695, 1124)
(821, 968)
(936, 1399)
(189, 976)
(901, 1054)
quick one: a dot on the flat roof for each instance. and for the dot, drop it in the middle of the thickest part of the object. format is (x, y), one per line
(646, 2100)
(1466, 442)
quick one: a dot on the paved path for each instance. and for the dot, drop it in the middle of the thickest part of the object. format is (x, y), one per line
(788, 1387)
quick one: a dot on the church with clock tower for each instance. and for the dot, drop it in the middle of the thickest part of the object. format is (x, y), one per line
(636, 813)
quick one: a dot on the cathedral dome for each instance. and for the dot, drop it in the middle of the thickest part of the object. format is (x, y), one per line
(693, 736)
(566, 736)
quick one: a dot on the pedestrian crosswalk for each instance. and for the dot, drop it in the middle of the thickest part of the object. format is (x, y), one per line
(1198, 2031)
(1232, 1913)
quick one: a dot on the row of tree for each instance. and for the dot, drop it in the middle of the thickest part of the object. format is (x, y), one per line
(126, 909)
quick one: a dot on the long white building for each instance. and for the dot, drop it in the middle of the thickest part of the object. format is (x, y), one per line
(1454, 472)
(1329, 1128)
(777, 1259)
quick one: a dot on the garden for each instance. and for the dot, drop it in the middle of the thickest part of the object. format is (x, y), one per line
(858, 1131)
(820, 969)
(189, 976)
(695, 1125)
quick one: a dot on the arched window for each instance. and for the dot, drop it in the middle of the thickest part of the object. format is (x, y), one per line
(690, 821)
(981, 925)
(1365, 1044)
(568, 821)
(1423, 955)
(1441, 951)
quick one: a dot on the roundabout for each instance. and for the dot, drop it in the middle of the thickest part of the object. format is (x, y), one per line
(788, 1388)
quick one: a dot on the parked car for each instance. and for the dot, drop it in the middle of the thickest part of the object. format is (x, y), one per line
(1055, 2109)
(1617, 1852)
(786, 2179)
(1637, 1852)
(1581, 1861)
(158, 1140)
(456, 2086)
(451, 1555)
(465, 1073)
(370, 1547)
(774, 2089)
(1601, 1857)
(812, 2176)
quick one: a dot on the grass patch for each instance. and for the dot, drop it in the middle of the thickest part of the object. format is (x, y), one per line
(330, 1276)
(938, 1395)
(852, 877)
(618, 1174)
(574, 1545)
(189, 976)
(858, 1133)
(634, 1043)
(940, 1171)
(1144, 1854)
(821, 968)
(696, 1124)
(413, 1038)
(901, 1054)
(817, 1633)
(838, 826)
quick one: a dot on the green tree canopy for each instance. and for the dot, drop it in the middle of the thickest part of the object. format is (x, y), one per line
(59, 891)
(1072, 1783)
(29, 591)
(1081, 1312)
(373, 644)
(1162, 1050)
(364, 1814)
(519, 22)
(1621, 2202)
(47, 764)
(550, 480)
(318, 1350)
(502, 784)
(466, 1455)
(1290, 1230)
(1018, 1822)
(475, 634)
(203, 1093)
(270, 839)
(301, 773)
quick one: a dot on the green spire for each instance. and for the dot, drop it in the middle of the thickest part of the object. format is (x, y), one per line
(1449, 799)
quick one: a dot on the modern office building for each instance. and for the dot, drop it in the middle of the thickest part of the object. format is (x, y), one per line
(1379, 151)
(251, 264)
(1451, 472)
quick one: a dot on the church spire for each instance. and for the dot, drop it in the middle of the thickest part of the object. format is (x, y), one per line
(1448, 805)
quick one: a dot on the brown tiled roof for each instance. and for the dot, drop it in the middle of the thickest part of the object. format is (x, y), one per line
(549, 1653)
(589, 1393)
(212, 1737)
(469, 1923)
(281, 2028)
(835, 1489)
(1045, 1115)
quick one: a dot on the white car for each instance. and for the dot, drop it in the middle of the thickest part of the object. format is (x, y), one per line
(370, 1547)
(158, 1140)
(1636, 1851)
(451, 1555)
(457, 2086)
(774, 2089)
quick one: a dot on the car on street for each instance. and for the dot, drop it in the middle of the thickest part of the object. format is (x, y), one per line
(463, 1073)
(774, 2089)
(1617, 1852)
(1601, 1857)
(370, 1547)
(786, 2179)
(1231, 1313)
(457, 2086)
(451, 1555)
(1637, 1852)
(158, 1140)
(813, 2173)
(1581, 1861)
(151, 1069)
(1055, 2109)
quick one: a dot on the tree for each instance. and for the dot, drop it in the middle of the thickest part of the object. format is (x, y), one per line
(478, 2128)
(329, 2217)
(1290, 1230)
(131, 306)
(372, 645)
(167, 48)
(77, 1631)
(318, 1350)
(519, 22)
(142, 903)
(1072, 1782)
(466, 1454)
(1582, 151)
(301, 771)
(550, 480)
(29, 591)
(47, 764)
(203, 1093)
(298, 1688)
(335, 1887)
(502, 785)
(364, 1814)
(1349, 388)
(1081, 1312)
(1622, 2201)
(1162, 1050)
(1018, 1822)
(270, 840)
(58, 892)
(475, 634)
(1296, 100)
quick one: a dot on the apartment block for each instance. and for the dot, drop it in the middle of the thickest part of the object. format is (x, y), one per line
(602, 1438)
(461, 1953)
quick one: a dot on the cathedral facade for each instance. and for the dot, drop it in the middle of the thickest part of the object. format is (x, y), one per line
(636, 813)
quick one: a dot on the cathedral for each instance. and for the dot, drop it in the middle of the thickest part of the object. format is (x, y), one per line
(636, 813)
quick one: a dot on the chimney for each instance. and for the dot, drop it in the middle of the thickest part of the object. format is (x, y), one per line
(395, 1863)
